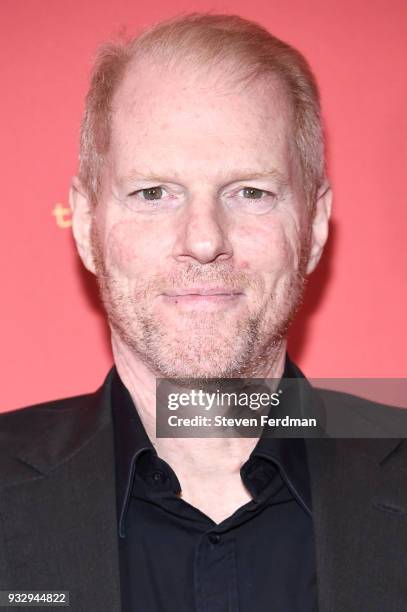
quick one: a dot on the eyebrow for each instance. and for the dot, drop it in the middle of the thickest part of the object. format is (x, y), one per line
(241, 175)
(280, 178)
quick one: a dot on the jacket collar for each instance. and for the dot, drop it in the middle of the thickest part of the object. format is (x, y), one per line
(57, 430)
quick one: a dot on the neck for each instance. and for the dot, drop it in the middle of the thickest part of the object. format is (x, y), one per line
(197, 455)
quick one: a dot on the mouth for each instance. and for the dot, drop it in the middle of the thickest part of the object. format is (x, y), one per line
(203, 296)
(203, 292)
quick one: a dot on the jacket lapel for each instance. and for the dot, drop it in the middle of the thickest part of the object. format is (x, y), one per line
(58, 507)
(359, 501)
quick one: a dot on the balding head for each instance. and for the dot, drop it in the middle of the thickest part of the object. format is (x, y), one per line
(228, 46)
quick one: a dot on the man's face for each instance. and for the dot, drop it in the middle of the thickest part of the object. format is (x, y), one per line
(200, 238)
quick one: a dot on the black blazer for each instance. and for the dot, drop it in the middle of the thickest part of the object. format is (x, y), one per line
(58, 522)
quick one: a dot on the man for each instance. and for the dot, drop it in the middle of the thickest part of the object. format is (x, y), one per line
(201, 206)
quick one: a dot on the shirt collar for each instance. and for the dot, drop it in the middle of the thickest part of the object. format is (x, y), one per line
(131, 440)
(289, 454)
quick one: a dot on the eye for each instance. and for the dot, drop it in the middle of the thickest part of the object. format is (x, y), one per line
(251, 200)
(150, 193)
(252, 193)
(154, 199)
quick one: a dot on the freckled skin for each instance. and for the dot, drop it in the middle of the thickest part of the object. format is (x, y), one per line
(198, 138)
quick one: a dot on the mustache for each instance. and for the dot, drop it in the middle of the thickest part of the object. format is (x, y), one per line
(192, 275)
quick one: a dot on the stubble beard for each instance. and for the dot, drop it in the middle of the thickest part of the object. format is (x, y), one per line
(204, 344)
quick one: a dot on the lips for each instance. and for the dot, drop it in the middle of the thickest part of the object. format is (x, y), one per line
(204, 291)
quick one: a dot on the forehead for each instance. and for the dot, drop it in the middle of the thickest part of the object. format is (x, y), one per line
(196, 116)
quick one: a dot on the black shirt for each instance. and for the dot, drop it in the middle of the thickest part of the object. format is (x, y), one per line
(174, 557)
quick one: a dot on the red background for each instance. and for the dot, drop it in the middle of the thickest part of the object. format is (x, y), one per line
(54, 340)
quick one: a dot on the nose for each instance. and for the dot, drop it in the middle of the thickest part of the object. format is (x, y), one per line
(202, 233)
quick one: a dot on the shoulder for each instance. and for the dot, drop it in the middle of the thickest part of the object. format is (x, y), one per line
(69, 419)
(40, 438)
(30, 421)
(357, 415)
(49, 407)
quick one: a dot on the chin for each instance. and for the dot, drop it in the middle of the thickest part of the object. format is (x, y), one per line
(201, 366)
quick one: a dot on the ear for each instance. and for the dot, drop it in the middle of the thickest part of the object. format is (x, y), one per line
(320, 225)
(81, 223)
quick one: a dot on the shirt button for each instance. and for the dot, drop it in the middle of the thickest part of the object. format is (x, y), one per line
(214, 538)
(158, 476)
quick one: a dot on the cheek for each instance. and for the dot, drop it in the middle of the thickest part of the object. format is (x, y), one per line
(129, 247)
(268, 249)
